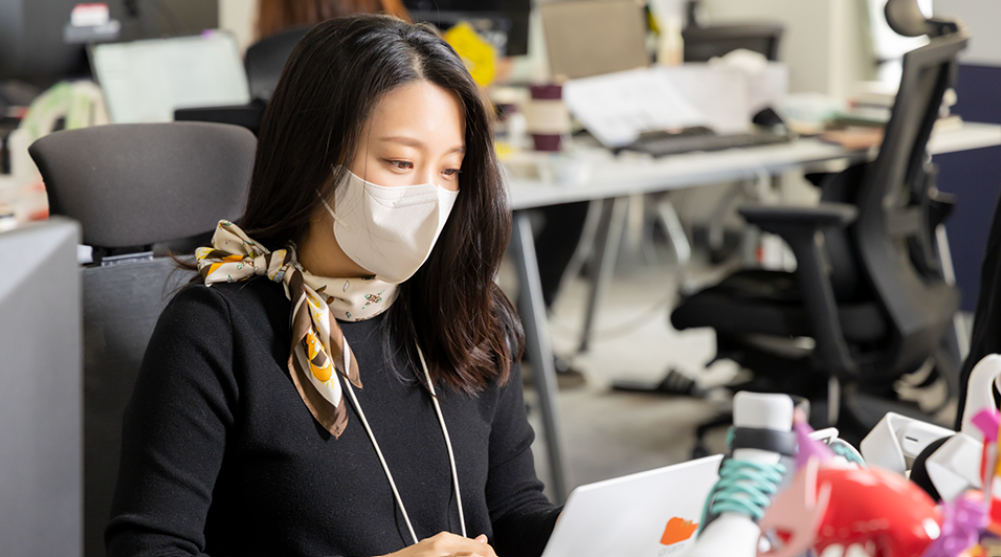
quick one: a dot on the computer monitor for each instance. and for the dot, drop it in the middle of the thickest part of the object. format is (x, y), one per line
(146, 81)
(31, 42)
(41, 391)
(585, 38)
(502, 22)
(34, 49)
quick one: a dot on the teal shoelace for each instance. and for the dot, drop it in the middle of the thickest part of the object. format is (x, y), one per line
(847, 452)
(744, 487)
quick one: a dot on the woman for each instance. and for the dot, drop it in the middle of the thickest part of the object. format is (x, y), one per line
(353, 391)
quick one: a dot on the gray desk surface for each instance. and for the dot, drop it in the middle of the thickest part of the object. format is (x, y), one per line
(611, 176)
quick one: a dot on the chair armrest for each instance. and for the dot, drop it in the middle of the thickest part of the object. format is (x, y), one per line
(799, 227)
(940, 206)
(824, 215)
(818, 179)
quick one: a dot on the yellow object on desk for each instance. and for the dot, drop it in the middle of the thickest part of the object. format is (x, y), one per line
(504, 150)
(477, 54)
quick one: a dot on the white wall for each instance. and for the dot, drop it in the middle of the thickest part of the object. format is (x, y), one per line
(982, 19)
(240, 18)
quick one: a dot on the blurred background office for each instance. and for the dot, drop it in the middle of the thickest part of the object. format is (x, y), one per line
(662, 159)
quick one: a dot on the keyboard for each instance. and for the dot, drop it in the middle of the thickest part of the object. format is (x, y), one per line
(662, 144)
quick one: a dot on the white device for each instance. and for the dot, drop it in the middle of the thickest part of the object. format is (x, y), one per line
(955, 466)
(632, 515)
(146, 81)
(897, 440)
(979, 394)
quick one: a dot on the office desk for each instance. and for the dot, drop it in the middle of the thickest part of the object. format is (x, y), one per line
(613, 178)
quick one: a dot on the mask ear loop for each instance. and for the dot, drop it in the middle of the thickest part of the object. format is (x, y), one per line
(337, 219)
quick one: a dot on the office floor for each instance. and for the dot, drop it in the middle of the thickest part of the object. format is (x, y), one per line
(610, 433)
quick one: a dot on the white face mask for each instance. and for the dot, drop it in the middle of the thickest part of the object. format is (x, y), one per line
(389, 231)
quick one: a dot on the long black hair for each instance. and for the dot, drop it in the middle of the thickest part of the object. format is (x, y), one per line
(467, 328)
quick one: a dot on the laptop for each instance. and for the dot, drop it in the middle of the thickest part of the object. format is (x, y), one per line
(648, 514)
(146, 81)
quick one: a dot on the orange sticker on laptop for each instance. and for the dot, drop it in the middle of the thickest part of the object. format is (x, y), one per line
(678, 530)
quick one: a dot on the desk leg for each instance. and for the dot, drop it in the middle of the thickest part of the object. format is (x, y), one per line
(533, 319)
(957, 340)
(609, 235)
(679, 240)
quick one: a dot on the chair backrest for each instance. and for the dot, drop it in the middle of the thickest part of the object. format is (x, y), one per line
(265, 61)
(134, 185)
(703, 43)
(894, 234)
(138, 184)
(121, 305)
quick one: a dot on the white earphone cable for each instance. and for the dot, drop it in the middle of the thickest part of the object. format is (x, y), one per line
(448, 442)
(385, 466)
(382, 459)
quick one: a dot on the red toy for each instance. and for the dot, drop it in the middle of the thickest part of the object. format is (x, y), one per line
(831, 502)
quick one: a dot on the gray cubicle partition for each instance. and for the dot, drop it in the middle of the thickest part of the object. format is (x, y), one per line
(41, 391)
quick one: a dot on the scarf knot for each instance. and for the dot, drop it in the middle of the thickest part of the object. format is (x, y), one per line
(319, 352)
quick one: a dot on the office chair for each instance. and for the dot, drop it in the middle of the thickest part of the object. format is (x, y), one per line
(868, 291)
(265, 61)
(705, 42)
(132, 186)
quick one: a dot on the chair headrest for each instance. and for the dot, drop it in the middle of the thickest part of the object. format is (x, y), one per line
(265, 61)
(140, 184)
(905, 18)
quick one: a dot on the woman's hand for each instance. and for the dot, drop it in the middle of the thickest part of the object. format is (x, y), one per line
(446, 544)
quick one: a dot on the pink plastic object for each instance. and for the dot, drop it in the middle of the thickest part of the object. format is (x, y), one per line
(808, 448)
(864, 506)
(987, 421)
(962, 521)
(797, 512)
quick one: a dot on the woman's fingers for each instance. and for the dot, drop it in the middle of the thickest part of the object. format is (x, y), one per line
(449, 545)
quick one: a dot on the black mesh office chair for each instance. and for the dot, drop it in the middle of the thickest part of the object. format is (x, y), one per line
(133, 186)
(265, 61)
(868, 289)
(705, 42)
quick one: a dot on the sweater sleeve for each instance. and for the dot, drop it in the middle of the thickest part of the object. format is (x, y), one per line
(522, 516)
(175, 431)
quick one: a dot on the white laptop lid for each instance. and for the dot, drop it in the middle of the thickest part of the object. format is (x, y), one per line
(649, 514)
(145, 81)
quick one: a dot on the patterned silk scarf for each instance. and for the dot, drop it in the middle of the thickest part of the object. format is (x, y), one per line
(319, 349)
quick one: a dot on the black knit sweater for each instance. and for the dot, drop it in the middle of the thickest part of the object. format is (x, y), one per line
(221, 457)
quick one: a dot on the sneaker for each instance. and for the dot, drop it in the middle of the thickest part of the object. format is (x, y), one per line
(761, 460)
